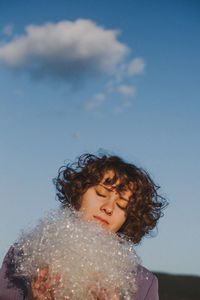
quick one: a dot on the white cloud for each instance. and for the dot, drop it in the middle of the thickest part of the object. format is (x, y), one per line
(136, 66)
(8, 30)
(125, 104)
(127, 90)
(65, 50)
(96, 101)
(118, 110)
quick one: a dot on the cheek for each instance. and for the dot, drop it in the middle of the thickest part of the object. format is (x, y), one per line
(84, 206)
(88, 205)
(120, 220)
(84, 200)
(123, 219)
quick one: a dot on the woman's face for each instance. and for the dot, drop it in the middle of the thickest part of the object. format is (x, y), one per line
(105, 205)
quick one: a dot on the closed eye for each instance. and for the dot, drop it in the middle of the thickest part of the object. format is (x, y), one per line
(121, 207)
(100, 195)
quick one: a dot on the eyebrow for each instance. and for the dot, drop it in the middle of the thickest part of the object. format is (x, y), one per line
(109, 190)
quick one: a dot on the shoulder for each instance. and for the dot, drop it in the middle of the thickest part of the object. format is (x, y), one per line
(10, 287)
(147, 284)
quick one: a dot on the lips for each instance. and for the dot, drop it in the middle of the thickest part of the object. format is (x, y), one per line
(101, 220)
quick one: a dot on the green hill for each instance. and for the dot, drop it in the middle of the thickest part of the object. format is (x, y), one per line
(178, 287)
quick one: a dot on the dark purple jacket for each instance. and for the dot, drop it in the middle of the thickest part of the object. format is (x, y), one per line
(17, 290)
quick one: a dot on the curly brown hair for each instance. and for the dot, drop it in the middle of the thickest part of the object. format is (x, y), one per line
(145, 205)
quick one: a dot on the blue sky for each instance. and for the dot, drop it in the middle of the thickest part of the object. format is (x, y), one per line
(122, 76)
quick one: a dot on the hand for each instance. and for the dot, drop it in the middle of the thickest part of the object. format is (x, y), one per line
(104, 294)
(43, 288)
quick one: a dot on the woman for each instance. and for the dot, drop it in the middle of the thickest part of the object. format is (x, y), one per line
(117, 195)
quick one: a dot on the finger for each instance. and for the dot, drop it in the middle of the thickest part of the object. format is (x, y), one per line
(39, 290)
(43, 288)
(55, 279)
(43, 273)
(48, 296)
(52, 283)
(102, 295)
(113, 295)
(34, 289)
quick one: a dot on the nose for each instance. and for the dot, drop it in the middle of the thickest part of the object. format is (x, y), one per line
(108, 206)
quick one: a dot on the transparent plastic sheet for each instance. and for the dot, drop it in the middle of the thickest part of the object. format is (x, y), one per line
(87, 257)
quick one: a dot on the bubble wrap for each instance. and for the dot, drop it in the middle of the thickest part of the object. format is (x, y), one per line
(86, 256)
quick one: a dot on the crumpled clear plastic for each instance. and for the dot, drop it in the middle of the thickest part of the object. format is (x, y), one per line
(86, 256)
